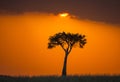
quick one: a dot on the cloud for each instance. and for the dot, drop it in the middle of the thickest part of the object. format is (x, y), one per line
(98, 10)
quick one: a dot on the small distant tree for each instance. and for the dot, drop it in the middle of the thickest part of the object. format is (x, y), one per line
(66, 41)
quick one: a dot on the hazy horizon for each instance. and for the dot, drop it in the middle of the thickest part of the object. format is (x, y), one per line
(24, 38)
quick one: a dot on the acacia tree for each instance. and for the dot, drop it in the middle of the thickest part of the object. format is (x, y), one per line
(67, 41)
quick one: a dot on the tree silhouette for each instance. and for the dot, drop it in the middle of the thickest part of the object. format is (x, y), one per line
(66, 41)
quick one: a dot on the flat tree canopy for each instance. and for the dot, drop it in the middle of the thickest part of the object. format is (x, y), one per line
(66, 41)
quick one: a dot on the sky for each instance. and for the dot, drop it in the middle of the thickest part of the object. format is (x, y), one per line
(25, 27)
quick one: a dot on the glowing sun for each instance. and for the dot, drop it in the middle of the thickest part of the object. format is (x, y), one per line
(63, 14)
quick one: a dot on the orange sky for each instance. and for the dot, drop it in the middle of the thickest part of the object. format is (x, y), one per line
(23, 46)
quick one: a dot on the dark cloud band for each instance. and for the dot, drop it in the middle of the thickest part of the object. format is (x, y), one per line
(98, 10)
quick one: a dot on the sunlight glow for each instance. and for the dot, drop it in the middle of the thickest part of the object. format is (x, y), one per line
(64, 14)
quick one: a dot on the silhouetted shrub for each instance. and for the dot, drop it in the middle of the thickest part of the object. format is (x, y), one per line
(61, 79)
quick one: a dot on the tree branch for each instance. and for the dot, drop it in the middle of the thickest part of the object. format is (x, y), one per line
(63, 47)
(70, 49)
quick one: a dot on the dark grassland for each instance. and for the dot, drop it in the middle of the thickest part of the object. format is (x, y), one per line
(60, 79)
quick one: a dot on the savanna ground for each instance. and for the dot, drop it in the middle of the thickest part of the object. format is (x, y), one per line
(86, 78)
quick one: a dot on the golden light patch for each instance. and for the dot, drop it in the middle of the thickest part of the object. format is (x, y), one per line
(63, 14)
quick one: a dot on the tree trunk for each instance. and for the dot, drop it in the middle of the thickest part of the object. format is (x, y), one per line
(64, 66)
